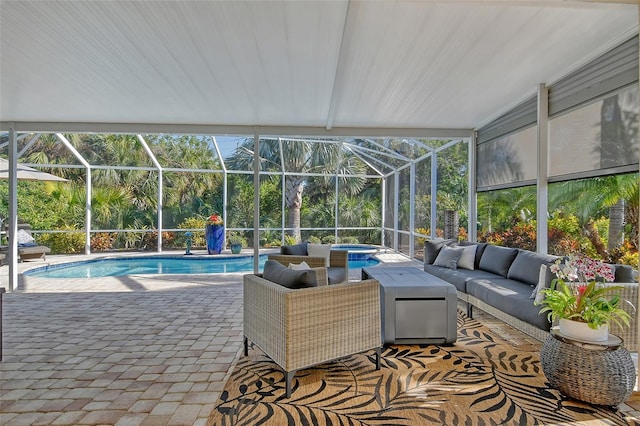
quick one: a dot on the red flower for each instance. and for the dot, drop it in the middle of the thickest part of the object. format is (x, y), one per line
(215, 219)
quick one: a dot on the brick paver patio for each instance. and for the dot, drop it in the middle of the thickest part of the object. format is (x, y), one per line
(134, 350)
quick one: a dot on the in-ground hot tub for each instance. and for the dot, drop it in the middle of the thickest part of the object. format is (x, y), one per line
(360, 255)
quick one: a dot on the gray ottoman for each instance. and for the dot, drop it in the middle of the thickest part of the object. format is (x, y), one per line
(416, 307)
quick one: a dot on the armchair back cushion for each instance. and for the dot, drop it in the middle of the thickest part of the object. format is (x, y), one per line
(278, 273)
(320, 250)
(295, 250)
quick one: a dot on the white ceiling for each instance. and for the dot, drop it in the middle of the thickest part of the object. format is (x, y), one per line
(326, 64)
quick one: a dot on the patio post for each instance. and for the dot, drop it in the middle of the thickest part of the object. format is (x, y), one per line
(12, 220)
(256, 200)
(542, 195)
(87, 208)
(157, 165)
(412, 207)
(472, 194)
(396, 204)
(434, 192)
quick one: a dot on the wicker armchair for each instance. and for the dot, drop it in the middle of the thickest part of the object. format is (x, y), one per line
(629, 292)
(338, 271)
(304, 327)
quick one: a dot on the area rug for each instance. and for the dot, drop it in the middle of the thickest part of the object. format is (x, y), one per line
(479, 380)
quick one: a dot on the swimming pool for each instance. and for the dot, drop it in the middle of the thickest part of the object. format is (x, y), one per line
(159, 265)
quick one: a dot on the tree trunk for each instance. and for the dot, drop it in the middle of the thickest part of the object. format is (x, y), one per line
(616, 225)
(594, 237)
(293, 198)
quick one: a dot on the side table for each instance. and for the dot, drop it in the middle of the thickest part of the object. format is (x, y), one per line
(599, 373)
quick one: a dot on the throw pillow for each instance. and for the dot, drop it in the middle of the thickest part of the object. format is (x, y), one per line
(320, 250)
(468, 258)
(448, 257)
(24, 237)
(278, 273)
(537, 294)
(432, 249)
(299, 267)
(480, 247)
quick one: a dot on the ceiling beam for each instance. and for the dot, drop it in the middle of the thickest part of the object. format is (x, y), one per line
(205, 129)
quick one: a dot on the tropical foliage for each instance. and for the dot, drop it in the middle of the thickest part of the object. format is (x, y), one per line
(598, 216)
(577, 295)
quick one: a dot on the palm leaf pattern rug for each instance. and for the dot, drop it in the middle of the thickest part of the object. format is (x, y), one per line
(479, 380)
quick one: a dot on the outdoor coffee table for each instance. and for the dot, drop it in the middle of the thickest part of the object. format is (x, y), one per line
(416, 307)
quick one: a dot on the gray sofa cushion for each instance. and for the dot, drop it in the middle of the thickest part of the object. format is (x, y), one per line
(624, 274)
(498, 259)
(526, 266)
(510, 297)
(458, 277)
(295, 250)
(432, 249)
(278, 273)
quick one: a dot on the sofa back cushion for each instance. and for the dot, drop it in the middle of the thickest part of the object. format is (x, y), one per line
(295, 250)
(480, 247)
(625, 273)
(498, 259)
(278, 273)
(526, 266)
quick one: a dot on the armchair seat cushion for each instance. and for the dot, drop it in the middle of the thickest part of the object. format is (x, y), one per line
(336, 275)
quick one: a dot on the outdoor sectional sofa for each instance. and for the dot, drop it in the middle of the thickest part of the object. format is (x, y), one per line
(503, 280)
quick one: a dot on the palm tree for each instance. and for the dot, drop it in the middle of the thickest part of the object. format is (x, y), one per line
(299, 158)
(588, 198)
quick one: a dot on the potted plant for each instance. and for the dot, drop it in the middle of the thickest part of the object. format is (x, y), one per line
(236, 242)
(214, 234)
(581, 300)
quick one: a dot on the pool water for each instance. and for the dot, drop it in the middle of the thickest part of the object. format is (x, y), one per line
(160, 265)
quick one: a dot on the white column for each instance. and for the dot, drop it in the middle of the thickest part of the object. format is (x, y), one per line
(472, 196)
(256, 201)
(412, 207)
(638, 301)
(542, 196)
(87, 208)
(434, 193)
(160, 196)
(383, 197)
(396, 204)
(12, 220)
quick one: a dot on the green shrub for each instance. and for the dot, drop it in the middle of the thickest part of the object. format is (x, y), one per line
(195, 223)
(102, 241)
(290, 240)
(329, 239)
(349, 240)
(314, 240)
(64, 242)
